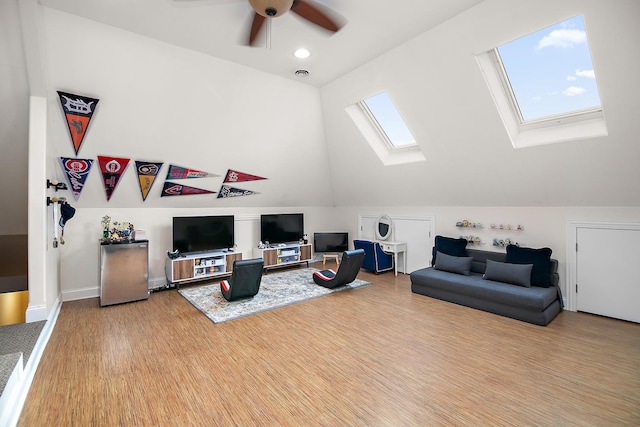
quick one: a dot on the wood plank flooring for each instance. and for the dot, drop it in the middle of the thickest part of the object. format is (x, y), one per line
(373, 356)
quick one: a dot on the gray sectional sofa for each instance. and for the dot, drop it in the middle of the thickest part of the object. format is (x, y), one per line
(496, 292)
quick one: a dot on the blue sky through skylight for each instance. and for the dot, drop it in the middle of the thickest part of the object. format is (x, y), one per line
(389, 119)
(550, 71)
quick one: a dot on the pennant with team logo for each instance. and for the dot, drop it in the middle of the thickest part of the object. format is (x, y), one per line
(112, 169)
(235, 176)
(147, 173)
(76, 172)
(174, 189)
(227, 191)
(178, 172)
(78, 111)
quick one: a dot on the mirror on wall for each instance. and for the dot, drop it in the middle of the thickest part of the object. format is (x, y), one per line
(383, 227)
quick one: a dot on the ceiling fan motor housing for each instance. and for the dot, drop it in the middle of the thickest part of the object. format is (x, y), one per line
(271, 8)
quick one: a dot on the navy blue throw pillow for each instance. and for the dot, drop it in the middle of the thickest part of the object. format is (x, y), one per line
(540, 258)
(449, 246)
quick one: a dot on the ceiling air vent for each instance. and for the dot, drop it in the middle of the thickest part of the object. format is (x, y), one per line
(301, 73)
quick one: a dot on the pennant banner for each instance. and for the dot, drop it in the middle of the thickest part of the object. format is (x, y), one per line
(76, 172)
(178, 172)
(227, 191)
(147, 173)
(78, 111)
(235, 176)
(173, 189)
(112, 169)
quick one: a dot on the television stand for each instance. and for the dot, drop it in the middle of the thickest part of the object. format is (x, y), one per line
(284, 255)
(198, 267)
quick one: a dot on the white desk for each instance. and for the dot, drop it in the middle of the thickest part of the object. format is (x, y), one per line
(396, 248)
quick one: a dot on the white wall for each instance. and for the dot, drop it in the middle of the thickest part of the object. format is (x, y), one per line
(437, 85)
(163, 103)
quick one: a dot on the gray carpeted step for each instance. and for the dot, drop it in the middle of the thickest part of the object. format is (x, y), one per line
(20, 338)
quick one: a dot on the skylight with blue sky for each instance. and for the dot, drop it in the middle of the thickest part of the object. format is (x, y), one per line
(550, 71)
(389, 121)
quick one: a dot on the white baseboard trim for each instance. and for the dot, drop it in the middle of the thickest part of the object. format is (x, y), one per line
(17, 395)
(36, 313)
(83, 293)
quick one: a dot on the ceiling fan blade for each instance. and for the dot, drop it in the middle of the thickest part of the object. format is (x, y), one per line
(313, 14)
(256, 25)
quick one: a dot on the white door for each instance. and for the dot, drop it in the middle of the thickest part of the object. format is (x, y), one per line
(607, 276)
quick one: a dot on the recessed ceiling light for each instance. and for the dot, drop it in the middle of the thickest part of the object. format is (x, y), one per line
(301, 53)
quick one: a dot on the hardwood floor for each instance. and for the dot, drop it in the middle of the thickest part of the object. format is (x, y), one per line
(373, 356)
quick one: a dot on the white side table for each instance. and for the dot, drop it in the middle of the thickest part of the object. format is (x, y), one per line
(396, 248)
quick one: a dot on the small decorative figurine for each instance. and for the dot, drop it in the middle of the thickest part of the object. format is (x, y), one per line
(106, 220)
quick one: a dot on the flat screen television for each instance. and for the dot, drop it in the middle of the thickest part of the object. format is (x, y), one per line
(281, 228)
(330, 242)
(203, 233)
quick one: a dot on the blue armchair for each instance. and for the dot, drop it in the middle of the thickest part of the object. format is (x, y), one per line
(375, 259)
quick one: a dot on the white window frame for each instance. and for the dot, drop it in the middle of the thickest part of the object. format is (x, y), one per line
(378, 127)
(589, 123)
(388, 153)
(388, 156)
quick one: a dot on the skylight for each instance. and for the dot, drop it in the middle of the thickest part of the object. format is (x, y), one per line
(384, 129)
(385, 117)
(550, 71)
(544, 85)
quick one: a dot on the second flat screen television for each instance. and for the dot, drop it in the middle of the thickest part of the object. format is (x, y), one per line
(281, 228)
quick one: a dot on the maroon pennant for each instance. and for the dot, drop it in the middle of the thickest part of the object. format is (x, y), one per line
(235, 176)
(112, 169)
(174, 189)
(78, 111)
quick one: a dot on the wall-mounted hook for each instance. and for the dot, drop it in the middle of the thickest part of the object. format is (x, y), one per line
(57, 185)
(52, 200)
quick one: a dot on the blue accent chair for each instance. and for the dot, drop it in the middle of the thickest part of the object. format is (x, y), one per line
(375, 259)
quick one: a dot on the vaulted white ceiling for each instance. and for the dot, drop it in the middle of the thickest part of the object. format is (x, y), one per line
(219, 28)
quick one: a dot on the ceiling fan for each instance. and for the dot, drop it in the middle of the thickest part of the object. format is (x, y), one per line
(306, 9)
(309, 10)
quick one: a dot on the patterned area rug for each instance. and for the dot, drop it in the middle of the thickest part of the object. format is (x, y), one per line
(276, 290)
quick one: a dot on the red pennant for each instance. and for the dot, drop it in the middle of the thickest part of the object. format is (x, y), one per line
(235, 176)
(112, 169)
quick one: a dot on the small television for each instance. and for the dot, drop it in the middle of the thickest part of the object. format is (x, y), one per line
(281, 228)
(203, 233)
(330, 242)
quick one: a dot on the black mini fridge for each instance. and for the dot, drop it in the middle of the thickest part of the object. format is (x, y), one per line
(124, 271)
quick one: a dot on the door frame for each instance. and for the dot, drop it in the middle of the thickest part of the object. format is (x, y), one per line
(572, 242)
